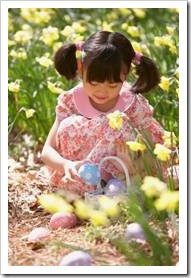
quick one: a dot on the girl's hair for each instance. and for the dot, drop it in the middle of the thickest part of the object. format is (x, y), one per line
(105, 55)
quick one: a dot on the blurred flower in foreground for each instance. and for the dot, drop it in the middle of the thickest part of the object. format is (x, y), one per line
(82, 209)
(98, 218)
(49, 35)
(14, 86)
(162, 152)
(109, 206)
(167, 201)
(54, 203)
(136, 146)
(164, 83)
(133, 31)
(29, 112)
(44, 61)
(170, 139)
(116, 120)
(53, 88)
(153, 187)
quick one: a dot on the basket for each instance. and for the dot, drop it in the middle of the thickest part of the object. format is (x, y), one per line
(99, 190)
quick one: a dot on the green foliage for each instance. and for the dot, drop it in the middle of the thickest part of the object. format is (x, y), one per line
(142, 26)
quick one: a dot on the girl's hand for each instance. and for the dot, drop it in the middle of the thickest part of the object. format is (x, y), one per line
(71, 170)
(123, 153)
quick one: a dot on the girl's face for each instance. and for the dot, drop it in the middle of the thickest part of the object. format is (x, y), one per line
(103, 96)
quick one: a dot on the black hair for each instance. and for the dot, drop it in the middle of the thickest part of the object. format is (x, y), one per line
(105, 55)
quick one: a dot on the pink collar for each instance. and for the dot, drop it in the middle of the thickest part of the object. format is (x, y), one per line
(84, 107)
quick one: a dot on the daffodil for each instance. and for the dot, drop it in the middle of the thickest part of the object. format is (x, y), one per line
(168, 201)
(133, 31)
(82, 209)
(77, 27)
(98, 218)
(170, 139)
(152, 186)
(164, 83)
(136, 146)
(35, 15)
(53, 203)
(68, 31)
(44, 61)
(109, 206)
(162, 152)
(137, 46)
(170, 30)
(50, 35)
(19, 54)
(116, 120)
(23, 36)
(29, 112)
(14, 86)
(53, 88)
(140, 13)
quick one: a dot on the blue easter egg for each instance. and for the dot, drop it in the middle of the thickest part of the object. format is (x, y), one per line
(90, 173)
(114, 187)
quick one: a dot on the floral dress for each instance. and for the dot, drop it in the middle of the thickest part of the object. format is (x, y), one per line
(84, 132)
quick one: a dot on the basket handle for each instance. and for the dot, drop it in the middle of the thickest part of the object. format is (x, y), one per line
(128, 181)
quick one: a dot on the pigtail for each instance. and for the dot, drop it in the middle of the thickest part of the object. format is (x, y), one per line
(65, 61)
(148, 76)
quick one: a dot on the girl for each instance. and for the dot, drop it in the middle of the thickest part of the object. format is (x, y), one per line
(81, 131)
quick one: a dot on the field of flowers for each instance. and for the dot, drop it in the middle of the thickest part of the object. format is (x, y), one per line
(34, 36)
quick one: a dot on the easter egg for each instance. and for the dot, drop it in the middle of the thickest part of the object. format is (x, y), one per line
(114, 187)
(135, 231)
(38, 234)
(76, 258)
(90, 173)
(63, 220)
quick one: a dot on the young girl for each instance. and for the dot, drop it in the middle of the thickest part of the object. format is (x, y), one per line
(81, 131)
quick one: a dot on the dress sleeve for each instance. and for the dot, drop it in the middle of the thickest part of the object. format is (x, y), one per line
(65, 106)
(141, 116)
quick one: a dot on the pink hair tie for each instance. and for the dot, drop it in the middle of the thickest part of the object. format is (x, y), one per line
(137, 58)
(79, 46)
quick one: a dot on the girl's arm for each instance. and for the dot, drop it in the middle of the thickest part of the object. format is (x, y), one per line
(49, 154)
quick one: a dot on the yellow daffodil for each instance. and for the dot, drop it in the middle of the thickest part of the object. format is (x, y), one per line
(176, 73)
(14, 86)
(68, 31)
(177, 91)
(53, 203)
(162, 152)
(133, 31)
(137, 47)
(77, 27)
(168, 201)
(50, 35)
(53, 88)
(170, 30)
(164, 83)
(19, 54)
(35, 15)
(124, 11)
(44, 61)
(109, 206)
(170, 139)
(98, 218)
(140, 13)
(116, 120)
(29, 113)
(23, 36)
(136, 146)
(82, 209)
(153, 187)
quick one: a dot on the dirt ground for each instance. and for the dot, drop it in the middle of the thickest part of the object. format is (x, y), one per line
(25, 215)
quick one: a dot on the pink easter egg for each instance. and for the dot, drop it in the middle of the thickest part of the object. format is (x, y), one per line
(38, 233)
(114, 187)
(63, 220)
(77, 258)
